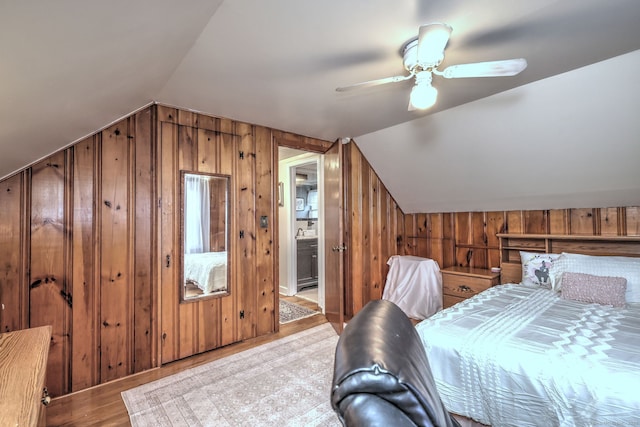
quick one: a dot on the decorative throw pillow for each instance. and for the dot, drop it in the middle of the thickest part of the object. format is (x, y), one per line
(594, 289)
(608, 266)
(536, 267)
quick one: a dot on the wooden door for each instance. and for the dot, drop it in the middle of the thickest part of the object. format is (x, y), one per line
(334, 237)
(192, 327)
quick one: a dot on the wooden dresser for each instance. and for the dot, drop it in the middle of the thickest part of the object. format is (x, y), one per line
(23, 361)
(460, 283)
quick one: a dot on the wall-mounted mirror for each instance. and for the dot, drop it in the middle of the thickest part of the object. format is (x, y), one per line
(307, 191)
(205, 235)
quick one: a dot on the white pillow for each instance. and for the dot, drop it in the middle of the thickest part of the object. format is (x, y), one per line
(536, 268)
(612, 266)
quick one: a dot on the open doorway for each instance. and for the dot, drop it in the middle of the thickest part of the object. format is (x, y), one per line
(301, 225)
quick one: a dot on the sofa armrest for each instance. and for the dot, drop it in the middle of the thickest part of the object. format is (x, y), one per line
(381, 372)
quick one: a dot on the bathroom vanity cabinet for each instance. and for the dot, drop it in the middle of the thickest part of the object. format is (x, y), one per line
(307, 260)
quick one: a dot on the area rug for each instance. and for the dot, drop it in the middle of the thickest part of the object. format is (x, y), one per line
(282, 383)
(290, 311)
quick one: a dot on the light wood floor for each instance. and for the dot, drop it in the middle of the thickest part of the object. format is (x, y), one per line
(103, 406)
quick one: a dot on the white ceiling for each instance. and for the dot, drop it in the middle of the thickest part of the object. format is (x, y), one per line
(71, 67)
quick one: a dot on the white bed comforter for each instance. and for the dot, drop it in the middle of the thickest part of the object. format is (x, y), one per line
(206, 270)
(518, 356)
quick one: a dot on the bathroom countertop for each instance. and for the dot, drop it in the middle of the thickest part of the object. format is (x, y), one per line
(306, 237)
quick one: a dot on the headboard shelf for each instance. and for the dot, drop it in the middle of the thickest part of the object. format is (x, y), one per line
(569, 237)
(512, 244)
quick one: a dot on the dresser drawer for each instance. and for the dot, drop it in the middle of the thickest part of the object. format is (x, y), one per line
(463, 286)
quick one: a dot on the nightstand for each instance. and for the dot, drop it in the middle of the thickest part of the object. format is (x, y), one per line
(460, 283)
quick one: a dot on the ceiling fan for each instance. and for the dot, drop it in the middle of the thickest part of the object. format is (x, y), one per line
(421, 57)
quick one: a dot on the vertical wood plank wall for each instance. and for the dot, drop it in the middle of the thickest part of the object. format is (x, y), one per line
(469, 238)
(77, 243)
(374, 227)
(84, 236)
(195, 142)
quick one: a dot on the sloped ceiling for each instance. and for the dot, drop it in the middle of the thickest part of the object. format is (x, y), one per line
(71, 67)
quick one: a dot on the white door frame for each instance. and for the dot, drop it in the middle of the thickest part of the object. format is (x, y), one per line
(288, 227)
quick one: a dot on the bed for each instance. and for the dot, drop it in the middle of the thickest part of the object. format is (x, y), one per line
(524, 354)
(207, 271)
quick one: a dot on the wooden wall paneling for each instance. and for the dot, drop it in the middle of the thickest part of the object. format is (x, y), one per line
(187, 148)
(535, 221)
(167, 232)
(401, 233)
(495, 223)
(208, 123)
(347, 208)
(479, 252)
(411, 232)
(287, 139)
(396, 243)
(364, 240)
(632, 220)
(14, 286)
(375, 236)
(166, 114)
(422, 225)
(188, 119)
(116, 238)
(558, 221)
(188, 313)
(391, 232)
(474, 233)
(265, 202)
(448, 239)
(436, 234)
(370, 211)
(611, 221)
(463, 238)
(207, 324)
(227, 141)
(422, 235)
(355, 252)
(145, 350)
(49, 296)
(246, 287)
(85, 279)
(208, 161)
(515, 222)
(387, 234)
(583, 222)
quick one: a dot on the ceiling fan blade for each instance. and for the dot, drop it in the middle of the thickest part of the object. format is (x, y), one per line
(432, 39)
(507, 67)
(374, 83)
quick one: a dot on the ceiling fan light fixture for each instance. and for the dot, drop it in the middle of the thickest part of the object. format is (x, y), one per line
(423, 95)
(432, 40)
(421, 57)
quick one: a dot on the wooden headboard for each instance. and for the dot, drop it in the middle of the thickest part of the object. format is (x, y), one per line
(512, 244)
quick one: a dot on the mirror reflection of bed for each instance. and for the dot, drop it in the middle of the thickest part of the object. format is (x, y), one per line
(205, 273)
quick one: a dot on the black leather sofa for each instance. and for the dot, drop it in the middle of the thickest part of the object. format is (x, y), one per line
(381, 374)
